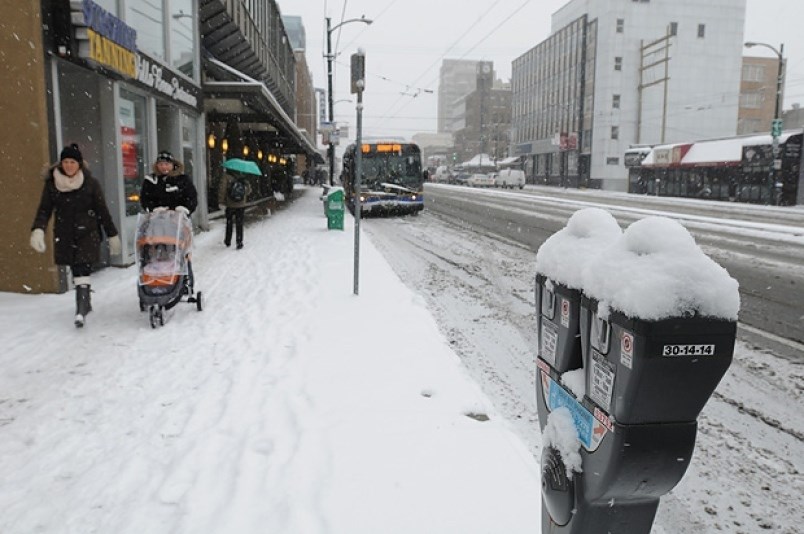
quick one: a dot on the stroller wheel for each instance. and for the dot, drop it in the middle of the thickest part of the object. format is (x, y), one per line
(155, 316)
(198, 301)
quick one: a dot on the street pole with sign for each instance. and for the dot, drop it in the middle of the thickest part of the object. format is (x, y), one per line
(776, 125)
(358, 65)
(330, 56)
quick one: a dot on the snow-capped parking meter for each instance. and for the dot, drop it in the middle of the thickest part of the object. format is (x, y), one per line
(658, 324)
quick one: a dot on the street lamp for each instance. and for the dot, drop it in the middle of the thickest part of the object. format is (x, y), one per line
(776, 127)
(330, 57)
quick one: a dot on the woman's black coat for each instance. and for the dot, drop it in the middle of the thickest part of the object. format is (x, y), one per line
(78, 218)
(171, 191)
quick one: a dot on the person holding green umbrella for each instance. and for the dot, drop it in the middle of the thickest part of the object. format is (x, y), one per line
(233, 194)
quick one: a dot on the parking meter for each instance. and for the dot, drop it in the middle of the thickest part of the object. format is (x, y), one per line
(646, 382)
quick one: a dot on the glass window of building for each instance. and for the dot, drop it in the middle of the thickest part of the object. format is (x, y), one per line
(615, 101)
(674, 28)
(131, 119)
(189, 133)
(109, 5)
(615, 132)
(148, 19)
(618, 63)
(620, 25)
(701, 31)
(182, 37)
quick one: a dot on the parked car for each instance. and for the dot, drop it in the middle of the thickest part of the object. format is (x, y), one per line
(510, 178)
(459, 178)
(480, 180)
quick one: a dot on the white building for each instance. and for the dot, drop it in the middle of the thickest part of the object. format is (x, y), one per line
(689, 89)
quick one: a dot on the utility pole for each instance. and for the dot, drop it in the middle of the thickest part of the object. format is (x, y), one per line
(358, 73)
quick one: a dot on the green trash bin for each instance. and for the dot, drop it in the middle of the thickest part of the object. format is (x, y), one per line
(335, 208)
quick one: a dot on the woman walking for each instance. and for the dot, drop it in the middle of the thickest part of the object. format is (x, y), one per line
(75, 199)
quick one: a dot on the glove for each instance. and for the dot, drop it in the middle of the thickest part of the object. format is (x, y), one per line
(183, 210)
(115, 247)
(159, 209)
(38, 240)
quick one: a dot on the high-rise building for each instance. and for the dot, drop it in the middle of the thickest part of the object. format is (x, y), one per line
(295, 30)
(457, 78)
(614, 73)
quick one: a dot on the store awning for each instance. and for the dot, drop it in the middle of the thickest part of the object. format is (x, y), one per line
(248, 101)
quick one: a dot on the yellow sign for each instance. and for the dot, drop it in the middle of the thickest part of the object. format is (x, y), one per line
(112, 55)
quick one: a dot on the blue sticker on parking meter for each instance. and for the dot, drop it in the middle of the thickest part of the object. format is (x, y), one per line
(583, 419)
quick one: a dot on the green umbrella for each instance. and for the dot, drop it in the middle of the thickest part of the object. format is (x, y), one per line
(242, 165)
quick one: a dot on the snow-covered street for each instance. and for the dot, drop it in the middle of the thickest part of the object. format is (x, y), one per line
(287, 405)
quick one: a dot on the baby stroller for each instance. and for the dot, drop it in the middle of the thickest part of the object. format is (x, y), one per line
(163, 246)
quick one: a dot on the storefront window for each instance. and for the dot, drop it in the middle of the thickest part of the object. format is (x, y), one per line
(131, 118)
(188, 140)
(182, 36)
(148, 19)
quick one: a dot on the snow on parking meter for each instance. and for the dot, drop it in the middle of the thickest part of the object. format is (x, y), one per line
(658, 327)
(559, 264)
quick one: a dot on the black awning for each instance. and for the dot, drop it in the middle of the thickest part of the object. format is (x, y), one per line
(249, 101)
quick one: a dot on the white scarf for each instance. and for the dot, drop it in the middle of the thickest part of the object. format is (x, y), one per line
(65, 183)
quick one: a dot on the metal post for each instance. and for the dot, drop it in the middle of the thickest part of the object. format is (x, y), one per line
(331, 147)
(358, 179)
(776, 187)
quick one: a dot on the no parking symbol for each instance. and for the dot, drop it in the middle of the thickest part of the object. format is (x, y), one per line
(565, 313)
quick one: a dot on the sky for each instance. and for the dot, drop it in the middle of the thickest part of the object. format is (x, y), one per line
(408, 40)
(287, 405)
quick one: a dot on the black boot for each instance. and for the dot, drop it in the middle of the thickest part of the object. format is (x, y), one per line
(83, 305)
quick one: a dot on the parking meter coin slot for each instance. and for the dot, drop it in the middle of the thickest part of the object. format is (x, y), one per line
(600, 335)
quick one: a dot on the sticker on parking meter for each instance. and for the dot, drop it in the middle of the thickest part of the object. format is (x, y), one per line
(688, 350)
(565, 313)
(584, 422)
(627, 349)
(602, 381)
(549, 342)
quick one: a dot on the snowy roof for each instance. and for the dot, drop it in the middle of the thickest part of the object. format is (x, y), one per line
(710, 151)
(480, 160)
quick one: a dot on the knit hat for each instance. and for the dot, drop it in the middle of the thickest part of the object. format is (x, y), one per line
(164, 155)
(71, 152)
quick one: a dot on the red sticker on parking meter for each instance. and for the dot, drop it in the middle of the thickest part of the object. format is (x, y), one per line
(565, 312)
(627, 349)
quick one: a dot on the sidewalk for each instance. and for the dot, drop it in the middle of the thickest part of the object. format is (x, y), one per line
(288, 405)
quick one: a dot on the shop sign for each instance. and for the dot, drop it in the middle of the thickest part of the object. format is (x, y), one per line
(110, 54)
(105, 39)
(109, 26)
(156, 77)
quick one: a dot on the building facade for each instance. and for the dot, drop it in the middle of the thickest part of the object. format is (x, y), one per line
(457, 78)
(758, 95)
(487, 123)
(656, 71)
(121, 81)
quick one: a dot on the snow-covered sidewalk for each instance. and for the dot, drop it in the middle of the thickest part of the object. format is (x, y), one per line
(288, 405)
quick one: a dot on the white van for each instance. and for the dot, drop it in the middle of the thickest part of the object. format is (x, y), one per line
(442, 175)
(510, 178)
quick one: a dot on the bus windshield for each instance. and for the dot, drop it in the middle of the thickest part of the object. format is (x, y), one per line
(399, 169)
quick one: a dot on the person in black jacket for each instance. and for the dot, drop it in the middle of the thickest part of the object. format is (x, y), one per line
(76, 200)
(168, 188)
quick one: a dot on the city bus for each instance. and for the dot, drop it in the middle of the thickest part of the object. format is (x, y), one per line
(392, 178)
